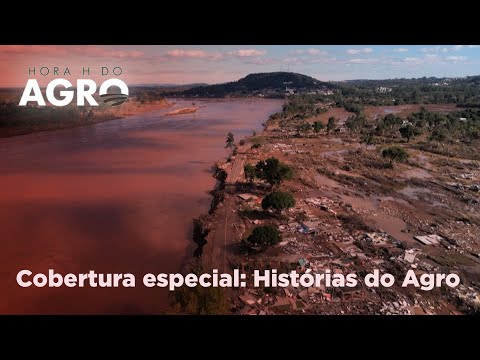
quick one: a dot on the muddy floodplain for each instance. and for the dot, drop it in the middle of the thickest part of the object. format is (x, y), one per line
(367, 215)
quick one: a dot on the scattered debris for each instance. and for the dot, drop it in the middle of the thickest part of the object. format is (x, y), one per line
(303, 263)
(350, 217)
(429, 239)
(410, 255)
(466, 176)
(309, 227)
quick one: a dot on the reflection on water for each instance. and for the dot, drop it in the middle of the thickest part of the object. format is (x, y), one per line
(119, 196)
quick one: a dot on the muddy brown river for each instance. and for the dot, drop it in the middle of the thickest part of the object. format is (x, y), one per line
(116, 197)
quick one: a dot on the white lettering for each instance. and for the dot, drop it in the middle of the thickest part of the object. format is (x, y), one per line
(429, 281)
(176, 280)
(40, 280)
(32, 85)
(452, 280)
(85, 90)
(67, 95)
(83, 94)
(191, 280)
(54, 280)
(128, 280)
(258, 279)
(113, 82)
(20, 280)
(162, 280)
(373, 279)
(149, 280)
(70, 280)
(203, 282)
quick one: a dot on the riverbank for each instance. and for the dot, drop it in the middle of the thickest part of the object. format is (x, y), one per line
(189, 110)
(353, 214)
(21, 121)
(131, 108)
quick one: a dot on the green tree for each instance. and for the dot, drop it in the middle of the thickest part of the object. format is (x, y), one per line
(249, 171)
(439, 134)
(332, 122)
(278, 200)
(395, 153)
(407, 132)
(317, 126)
(273, 171)
(266, 235)
(367, 139)
(230, 141)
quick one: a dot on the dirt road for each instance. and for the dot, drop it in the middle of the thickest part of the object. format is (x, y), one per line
(236, 174)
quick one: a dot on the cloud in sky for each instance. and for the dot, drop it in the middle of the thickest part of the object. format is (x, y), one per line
(359, 51)
(247, 52)
(461, 47)
(364, 61)
(194, 54)
(211, 63)
(433, 59)
(445, 49)
(102, 52)
(316, 52)
(456, 58)
(215, 55)
(435, 49)
(310, 51)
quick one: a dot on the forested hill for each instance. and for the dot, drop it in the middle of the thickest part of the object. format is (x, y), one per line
(267, 84)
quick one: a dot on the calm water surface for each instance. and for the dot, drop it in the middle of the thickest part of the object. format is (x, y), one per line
(118, 196)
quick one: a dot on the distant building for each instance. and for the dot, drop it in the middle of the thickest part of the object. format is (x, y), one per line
(325, 92)
(384, 90)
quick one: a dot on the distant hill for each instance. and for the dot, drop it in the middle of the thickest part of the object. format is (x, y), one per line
(152, 92)
(262, 83)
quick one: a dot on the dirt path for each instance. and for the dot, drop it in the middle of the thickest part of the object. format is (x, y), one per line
(223, 237)
(236, 173)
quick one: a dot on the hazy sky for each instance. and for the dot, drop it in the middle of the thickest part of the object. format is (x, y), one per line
(212, 64)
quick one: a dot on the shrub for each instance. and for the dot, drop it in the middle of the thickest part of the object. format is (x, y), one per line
(266, 235)
(395, 153)
(249, 171)
(273, 171)
(278, 200)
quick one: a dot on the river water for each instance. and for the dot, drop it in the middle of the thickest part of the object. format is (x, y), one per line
(116, 197)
